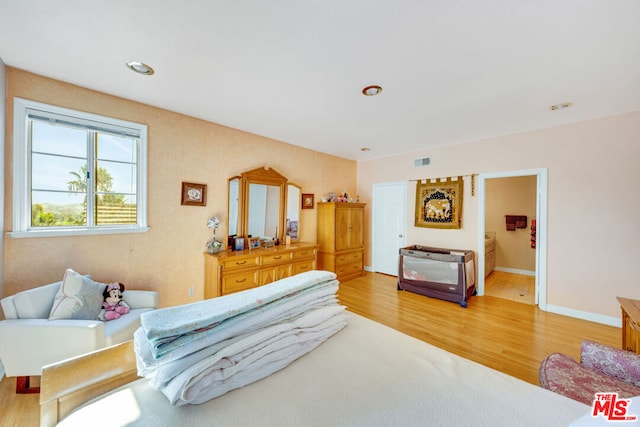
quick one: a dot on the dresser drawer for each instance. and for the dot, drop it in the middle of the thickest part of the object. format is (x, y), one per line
(306, 253)
(277, 272)
(275, 258)
(237, 263)
(302, 266)
(240, 281)
(345, 269)
(349, 258)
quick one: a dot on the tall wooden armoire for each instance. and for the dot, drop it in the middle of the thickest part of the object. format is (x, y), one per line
(341, 239)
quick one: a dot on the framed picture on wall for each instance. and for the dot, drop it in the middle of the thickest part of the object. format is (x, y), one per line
(307, 201)
(194, 194)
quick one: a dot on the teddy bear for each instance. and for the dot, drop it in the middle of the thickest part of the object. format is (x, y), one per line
(113, 305)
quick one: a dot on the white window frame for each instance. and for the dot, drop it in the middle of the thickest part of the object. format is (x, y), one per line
(22, 182)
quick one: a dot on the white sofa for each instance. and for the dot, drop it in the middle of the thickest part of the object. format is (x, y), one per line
(29, 340)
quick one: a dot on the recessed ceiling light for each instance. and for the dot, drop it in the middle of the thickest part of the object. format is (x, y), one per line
(560, 106)
(371, 90)
(140, 68)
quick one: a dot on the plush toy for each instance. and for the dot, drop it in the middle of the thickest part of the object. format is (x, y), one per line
(113, 305)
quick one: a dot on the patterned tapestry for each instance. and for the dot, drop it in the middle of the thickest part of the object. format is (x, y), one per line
(439, 204)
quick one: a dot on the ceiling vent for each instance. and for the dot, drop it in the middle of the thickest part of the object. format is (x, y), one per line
(425, 161)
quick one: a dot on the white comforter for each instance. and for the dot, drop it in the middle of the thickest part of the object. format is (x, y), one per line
(197, 352)
(168, 329)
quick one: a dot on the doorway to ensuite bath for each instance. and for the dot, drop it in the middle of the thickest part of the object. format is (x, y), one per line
(517, 268)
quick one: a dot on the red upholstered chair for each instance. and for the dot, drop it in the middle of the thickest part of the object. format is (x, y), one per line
(601, 369)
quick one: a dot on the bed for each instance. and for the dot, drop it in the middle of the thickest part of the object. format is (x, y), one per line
(367, 374)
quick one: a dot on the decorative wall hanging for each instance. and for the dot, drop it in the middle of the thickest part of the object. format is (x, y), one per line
(439, 204)
(194, 194)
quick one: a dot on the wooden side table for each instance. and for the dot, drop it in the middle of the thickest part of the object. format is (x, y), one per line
(630, 324)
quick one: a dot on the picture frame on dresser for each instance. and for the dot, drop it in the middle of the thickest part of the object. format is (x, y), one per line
(253, 242)
(239, 244)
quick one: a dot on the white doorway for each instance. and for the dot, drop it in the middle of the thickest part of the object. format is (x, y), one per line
(541, 229)
(389, 225)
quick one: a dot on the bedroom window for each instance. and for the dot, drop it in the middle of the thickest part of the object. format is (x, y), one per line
(77, 173)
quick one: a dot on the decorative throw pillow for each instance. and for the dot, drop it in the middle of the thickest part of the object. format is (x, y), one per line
(79, 297)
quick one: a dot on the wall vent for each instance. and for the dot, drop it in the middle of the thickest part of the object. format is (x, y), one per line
(425, 161)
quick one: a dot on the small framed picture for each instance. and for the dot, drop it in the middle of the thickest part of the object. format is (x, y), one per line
(254, 242)
(194, 194)
(239, 243)
(307, 201)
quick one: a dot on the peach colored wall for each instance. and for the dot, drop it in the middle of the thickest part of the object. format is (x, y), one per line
(593, 226)
(3, 90)
(168, 258)
(511, 196)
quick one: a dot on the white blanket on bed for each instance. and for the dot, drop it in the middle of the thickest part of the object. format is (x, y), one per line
(268, 314)
(249, 358)
(168, 328)
(199, 351)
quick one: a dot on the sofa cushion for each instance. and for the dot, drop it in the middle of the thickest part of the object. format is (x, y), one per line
(563, 375)
(35, 303)
(122, 329)
(79, 297)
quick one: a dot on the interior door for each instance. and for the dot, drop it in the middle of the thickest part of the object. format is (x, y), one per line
(389, 225)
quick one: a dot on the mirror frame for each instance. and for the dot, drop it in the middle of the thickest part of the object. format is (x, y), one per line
(266, 176)
(298, 203)
(238, 229)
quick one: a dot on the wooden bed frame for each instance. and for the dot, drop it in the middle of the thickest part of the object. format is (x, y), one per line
(66, 385)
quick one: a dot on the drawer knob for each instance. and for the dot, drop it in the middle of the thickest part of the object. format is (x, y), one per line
(277, 257)
(241, 263)
(241, 281)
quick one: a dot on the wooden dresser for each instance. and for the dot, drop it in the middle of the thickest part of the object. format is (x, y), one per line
(341, 239)
(227, 272)
(630, 324)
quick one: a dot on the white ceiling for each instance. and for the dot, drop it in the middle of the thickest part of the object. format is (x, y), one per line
(451, 71)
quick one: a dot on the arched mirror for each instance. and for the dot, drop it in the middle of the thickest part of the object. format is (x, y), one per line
(257, 204)
(264, 208)
(294, 202)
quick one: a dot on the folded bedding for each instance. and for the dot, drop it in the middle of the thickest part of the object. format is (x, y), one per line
(253, 357)
(168, 328)
(273, 313)
(196, 352)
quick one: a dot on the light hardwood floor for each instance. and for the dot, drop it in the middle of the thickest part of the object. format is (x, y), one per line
(502, 334)
(514, 287)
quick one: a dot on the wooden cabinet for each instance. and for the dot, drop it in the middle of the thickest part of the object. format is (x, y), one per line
(227, 272)
(341, 239)
(489, 256)
(630, 324)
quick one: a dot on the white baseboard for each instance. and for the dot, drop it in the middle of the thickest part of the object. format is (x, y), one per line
(586, 315)
(515, 271)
